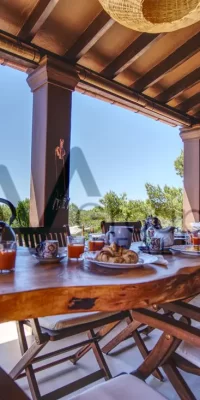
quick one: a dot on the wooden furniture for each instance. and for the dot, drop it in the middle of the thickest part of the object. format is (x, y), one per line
(57, 328)
(186, 356)
(174, 332)
(135, 225)
(125, 386)
(8, 388)
(69, 287)
(77, 286)
(45, 330)
(30, 237)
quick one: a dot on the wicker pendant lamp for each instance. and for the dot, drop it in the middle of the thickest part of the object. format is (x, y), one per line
(153, 16)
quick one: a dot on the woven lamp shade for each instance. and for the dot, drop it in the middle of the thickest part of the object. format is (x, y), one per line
(153, 16)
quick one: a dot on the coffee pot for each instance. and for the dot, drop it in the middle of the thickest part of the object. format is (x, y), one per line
(121, 235)
(6, 232)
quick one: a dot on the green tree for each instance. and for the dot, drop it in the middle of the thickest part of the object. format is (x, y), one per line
(22, 211)
(74, 215)
(179, 165)
(5, 213)
(140, 209)
(167, 202)
(112, 205)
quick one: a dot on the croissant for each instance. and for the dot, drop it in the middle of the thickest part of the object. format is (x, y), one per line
(117, 254)
(114, 247)
(105, 257)
(130, 259)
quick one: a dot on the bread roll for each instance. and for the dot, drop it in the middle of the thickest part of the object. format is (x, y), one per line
(117, 254)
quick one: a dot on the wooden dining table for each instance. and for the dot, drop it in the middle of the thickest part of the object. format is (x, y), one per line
(33, 290)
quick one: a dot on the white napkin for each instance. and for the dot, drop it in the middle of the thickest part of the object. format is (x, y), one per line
(161, 260)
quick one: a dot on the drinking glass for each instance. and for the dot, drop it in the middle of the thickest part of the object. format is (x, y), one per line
(196, 239)
(75, 246)
(96, 242)
(7, 256)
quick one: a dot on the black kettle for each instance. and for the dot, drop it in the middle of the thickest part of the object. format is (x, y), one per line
(6, 232)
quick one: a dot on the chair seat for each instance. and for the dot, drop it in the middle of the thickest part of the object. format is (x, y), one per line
(126, 387)
(58, 322)
(190, 353)
(186, 350)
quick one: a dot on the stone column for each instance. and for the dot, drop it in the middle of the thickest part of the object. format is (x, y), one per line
(52, 84)
(191, 196)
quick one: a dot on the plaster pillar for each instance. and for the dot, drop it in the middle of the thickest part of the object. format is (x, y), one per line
(191, 195)
(52, 84)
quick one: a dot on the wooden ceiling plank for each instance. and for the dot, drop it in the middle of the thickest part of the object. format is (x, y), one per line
(130, 54)
(197, 114)
(178, 57)
(36, 19)
(90, 36)
(178, 87)
(188, 104)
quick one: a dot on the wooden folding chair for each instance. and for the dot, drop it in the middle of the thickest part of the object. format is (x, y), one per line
(178, 346)
(53, 329)
(186, 356)
(31, 237)
(8, 388)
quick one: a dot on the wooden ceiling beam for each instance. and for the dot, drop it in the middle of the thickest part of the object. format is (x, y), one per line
(188, 104)
(36, 19)
(89, 37)
(130, 54)
(178, 57)
(197, 114)
(178, 87)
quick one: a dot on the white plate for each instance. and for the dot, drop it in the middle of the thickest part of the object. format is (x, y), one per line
(146, 259)
(54, 260)
(187, 249)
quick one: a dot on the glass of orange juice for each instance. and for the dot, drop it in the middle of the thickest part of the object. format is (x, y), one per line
(96, 242)
(196, 239)
(7, 256)
(75, 246)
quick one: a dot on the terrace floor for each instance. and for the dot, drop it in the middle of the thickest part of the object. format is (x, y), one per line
(125, 358)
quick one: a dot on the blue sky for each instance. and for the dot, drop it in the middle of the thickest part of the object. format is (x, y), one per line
(124, 150)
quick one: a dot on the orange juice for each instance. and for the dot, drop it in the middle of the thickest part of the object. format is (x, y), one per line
(7, 259)
(95, 245)
(196, 240)
(75, 250)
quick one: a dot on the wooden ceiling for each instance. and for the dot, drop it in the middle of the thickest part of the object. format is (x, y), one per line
(163, 67)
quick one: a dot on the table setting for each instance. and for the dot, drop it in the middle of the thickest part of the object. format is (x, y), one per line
(113, 250)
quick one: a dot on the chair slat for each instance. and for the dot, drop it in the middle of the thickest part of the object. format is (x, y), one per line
(63, 240)
(19, 239)
(37, 239)
(32, 241)
(49, 236)
(31, 237)
(26, 240)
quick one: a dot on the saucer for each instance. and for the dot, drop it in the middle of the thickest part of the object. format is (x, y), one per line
(53, 260)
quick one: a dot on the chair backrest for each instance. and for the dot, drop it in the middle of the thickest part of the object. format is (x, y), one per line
(9, 389)
(31, 237)
(136, 225)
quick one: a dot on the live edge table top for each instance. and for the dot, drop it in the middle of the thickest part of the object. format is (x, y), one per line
(34, 290)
